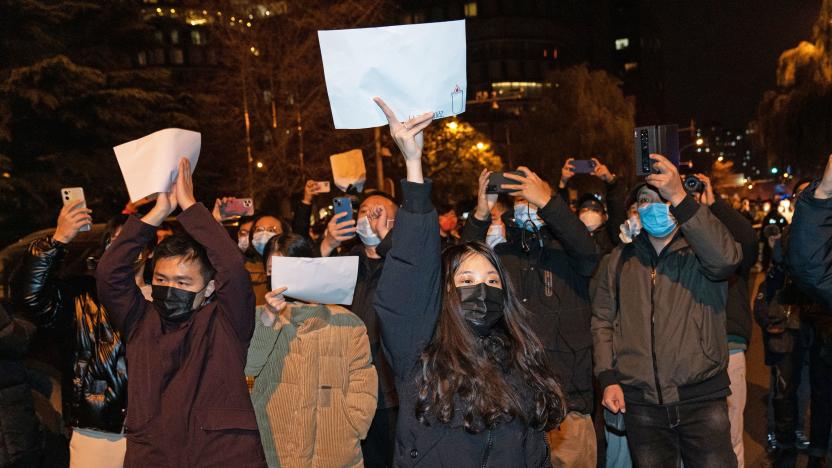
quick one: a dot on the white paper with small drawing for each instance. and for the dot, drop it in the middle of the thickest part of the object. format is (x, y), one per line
(318, 280)
(415, 68)
(348, 170)
(151, 164)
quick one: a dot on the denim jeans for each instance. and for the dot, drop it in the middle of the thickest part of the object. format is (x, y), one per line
(699, 434)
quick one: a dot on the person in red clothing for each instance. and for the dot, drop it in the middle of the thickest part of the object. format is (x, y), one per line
(189, 403)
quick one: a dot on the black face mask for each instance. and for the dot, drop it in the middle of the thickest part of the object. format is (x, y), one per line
(173, 304)
(482, 306)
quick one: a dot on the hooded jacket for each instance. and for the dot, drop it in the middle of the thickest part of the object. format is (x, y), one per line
(658, 323)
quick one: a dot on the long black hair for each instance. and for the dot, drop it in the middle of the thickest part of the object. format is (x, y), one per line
(456, 370)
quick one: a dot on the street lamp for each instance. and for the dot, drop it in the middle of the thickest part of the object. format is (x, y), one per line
(480, 146)
(452, 125)
(259, 164)
(700, 142)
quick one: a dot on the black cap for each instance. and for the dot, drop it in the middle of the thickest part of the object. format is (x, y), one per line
(591, 201)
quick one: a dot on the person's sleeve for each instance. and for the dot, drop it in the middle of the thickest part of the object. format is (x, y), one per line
(409, 293)
(262, 345)
(34, 289)
(616, 208)
(809, 247)
(233, 292)
(300, 223)
(572, 235)
(115, 277)
(475, 229)
(15, 335)
(718, 253)
(362, 392)
(603, 292)
(741, 230)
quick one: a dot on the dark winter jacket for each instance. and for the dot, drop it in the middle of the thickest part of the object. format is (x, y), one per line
(408, 304)
(550, 271)
(738, 307)
(20, 434)
(809, 250)
(94, 386)
(189, 402)
(658, 321)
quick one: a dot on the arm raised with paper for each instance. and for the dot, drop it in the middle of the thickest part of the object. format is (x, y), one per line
(407, 300)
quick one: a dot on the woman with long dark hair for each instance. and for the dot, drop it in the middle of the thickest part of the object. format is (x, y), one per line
(473, 385)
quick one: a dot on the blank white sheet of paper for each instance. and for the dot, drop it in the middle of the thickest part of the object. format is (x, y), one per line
(318, 280)
(151, 164)
(415, 68)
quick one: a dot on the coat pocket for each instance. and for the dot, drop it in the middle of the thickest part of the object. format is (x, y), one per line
(222, 419)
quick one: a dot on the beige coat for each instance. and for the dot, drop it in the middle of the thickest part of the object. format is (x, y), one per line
(315, 387)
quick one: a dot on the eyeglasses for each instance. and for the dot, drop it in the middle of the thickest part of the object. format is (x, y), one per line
(272, 229)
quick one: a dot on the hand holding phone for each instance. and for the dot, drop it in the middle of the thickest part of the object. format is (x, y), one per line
(497, 179)
(74, 217)
(235, 207)
(321, 186)
(583, 166)
(342, 206)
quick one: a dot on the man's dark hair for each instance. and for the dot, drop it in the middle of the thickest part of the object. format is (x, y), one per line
(183, 245)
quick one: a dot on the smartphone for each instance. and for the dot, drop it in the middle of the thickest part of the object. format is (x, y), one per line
(237, 207)
(497, 179)
(342, 205)
(583, 166)
(655, 139)
(70, 195)
(322, 186)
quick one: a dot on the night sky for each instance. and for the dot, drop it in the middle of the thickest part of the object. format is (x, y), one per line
(721, 55)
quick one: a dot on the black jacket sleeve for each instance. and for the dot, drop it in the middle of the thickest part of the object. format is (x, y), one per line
(300, 223)
(719, 255)
(15, 334)
(741, 230)
(34, 287)
(809, 247)
(475, 229)
(572, 234)
(616, 208)
(409, 294)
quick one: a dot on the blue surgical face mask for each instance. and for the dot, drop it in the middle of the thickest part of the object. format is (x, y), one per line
(656, 220)
(526, 217)
(495, 236)
(365, 233)
(260, 239)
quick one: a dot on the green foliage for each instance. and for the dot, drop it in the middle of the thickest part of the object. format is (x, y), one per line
(582, 114)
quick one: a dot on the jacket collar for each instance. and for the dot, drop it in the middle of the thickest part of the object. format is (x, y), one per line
(309, 317)
(643, 244)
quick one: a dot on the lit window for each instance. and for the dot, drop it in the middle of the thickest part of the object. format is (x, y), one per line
(197, 37)
(142, 58)
(177, 57)
(470, 9)
(630, 66)
(621, 44)
(174, 37)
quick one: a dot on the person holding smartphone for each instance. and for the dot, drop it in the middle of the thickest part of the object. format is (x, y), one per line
(474, 386)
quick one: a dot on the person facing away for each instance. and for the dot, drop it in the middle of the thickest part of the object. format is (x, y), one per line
(92, 352)
(550, 257)
(658, 328)
(374, 243)
(474, 387)
(315, 387)
(189, 404)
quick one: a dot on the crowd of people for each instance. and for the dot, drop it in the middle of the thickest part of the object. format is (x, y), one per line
(537, 332)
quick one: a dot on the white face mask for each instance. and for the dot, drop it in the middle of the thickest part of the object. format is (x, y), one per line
(242, 243)
(259, 240)
(496, 235)
(591, 219)
(365, 232)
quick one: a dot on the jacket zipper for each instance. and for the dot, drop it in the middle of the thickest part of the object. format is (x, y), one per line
(488, 449)
(653, 334)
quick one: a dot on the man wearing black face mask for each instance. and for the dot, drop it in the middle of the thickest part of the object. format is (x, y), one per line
(191, 405)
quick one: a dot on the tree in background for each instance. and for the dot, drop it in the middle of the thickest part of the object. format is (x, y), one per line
(795, 120)
(582, 114)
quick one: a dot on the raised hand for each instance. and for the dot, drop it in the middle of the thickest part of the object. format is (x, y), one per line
(824, 189)
(218, 203)
(184, 185)
(309, 191)
(602, 172)
(566, 173)
(485, 201)
(165, 204)
(380, 221)
(666, 179)
(275, 305)
(408, 137)
(708, 197)
(70, 221)
(531, 187)
(338, 230)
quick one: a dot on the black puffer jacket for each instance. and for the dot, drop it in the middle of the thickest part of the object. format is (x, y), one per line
(94, 373)
(20, 436)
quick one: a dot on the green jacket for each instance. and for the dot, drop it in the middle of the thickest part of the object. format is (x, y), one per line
(667, 343)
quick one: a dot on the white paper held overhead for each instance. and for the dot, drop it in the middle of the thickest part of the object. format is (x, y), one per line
(151, 164)
(415, 68)
(318, 280)
(348, 169)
